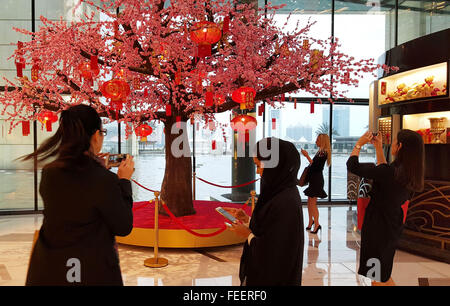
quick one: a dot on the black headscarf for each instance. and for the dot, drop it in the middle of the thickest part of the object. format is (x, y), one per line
(274, 179)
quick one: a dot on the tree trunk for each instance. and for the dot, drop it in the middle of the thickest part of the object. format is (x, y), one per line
(176, 189)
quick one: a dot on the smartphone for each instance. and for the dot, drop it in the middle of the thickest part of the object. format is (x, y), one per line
(226, 214)
(114, 160)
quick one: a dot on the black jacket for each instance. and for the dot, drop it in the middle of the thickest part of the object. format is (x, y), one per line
(275, 257)
(83, 212)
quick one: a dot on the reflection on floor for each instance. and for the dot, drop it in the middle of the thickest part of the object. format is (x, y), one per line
(331, 258)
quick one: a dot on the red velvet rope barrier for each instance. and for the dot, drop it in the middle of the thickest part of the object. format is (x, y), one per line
(237, 186)
(189, 230)
(144, 186)
(142, 206)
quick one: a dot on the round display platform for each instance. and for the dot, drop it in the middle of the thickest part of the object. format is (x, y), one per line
(171, 235)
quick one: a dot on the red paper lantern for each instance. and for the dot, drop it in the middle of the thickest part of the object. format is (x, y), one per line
(245, 96)
(243, 124)
(143, 131)
(117, 90)
(87, 71)
(47, 118)
(205, 33)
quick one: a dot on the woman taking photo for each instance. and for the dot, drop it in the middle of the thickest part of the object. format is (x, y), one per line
(393, 185)
(85, 206)
(315, 179)
(273, 253)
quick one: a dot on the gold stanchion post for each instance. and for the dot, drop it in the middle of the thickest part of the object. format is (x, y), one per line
(156, 262)
(193, 186)
(253, 194)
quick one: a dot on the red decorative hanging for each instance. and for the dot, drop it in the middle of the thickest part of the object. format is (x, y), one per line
(245, 96)
(312, 107)
(178, 118)
(226, 24)
(213, 144)
(243, 124)
(20, 61)
(25, 128)
(94, 63)
(295, 103)
(87, 71)
(35, 72)
(205, 33)
(143, 131)
(117, 90)
(47, 118)
(209, 98)
(274, 123)
(316, 55)
(168, 110)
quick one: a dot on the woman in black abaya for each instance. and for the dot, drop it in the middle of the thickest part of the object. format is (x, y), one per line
(273, 253)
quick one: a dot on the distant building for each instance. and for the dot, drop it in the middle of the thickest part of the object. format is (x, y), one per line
(341, 119)
(296, 132)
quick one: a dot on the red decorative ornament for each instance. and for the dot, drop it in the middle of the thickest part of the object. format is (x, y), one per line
(274, 123)
(20, 61)
(226, 24)
(25, 128)
(87, 71)
(143, 131)
(205, 33)
(295, 103)
(35, 72)
(168, 110)
(245, 96)
(47, 118)
(311, 106)
(117, 90)
(243, 124)
(213, 144)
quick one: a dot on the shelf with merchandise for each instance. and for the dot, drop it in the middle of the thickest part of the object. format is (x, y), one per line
(423, 83)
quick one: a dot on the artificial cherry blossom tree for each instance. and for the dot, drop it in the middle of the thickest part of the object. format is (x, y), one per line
(148, 45)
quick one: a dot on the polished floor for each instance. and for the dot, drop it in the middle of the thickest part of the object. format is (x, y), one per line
(330, 258)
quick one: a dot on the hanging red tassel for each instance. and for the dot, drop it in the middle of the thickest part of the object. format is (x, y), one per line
(213, 144)
(295, 103)
(94, 62)
(283, 97)
(20, 63)
(209, 98)
(226, 24)
(25, 128)
(48, 125)
(312, 107)
(274, 123)
(168, 110)
(178, 122)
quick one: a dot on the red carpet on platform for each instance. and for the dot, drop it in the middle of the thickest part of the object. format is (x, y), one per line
(205, 218)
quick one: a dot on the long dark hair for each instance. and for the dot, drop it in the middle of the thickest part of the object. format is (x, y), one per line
(77, 124)
(410, 160)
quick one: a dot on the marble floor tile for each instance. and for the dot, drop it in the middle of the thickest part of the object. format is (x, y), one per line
(330, 258)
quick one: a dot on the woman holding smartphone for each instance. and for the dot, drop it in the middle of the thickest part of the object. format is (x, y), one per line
(393, 184)
(273, 252)
(85, 206)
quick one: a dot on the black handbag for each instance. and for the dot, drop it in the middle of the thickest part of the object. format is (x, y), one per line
(304, 179)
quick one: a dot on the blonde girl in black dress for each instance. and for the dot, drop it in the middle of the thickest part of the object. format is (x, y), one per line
(316, 182)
